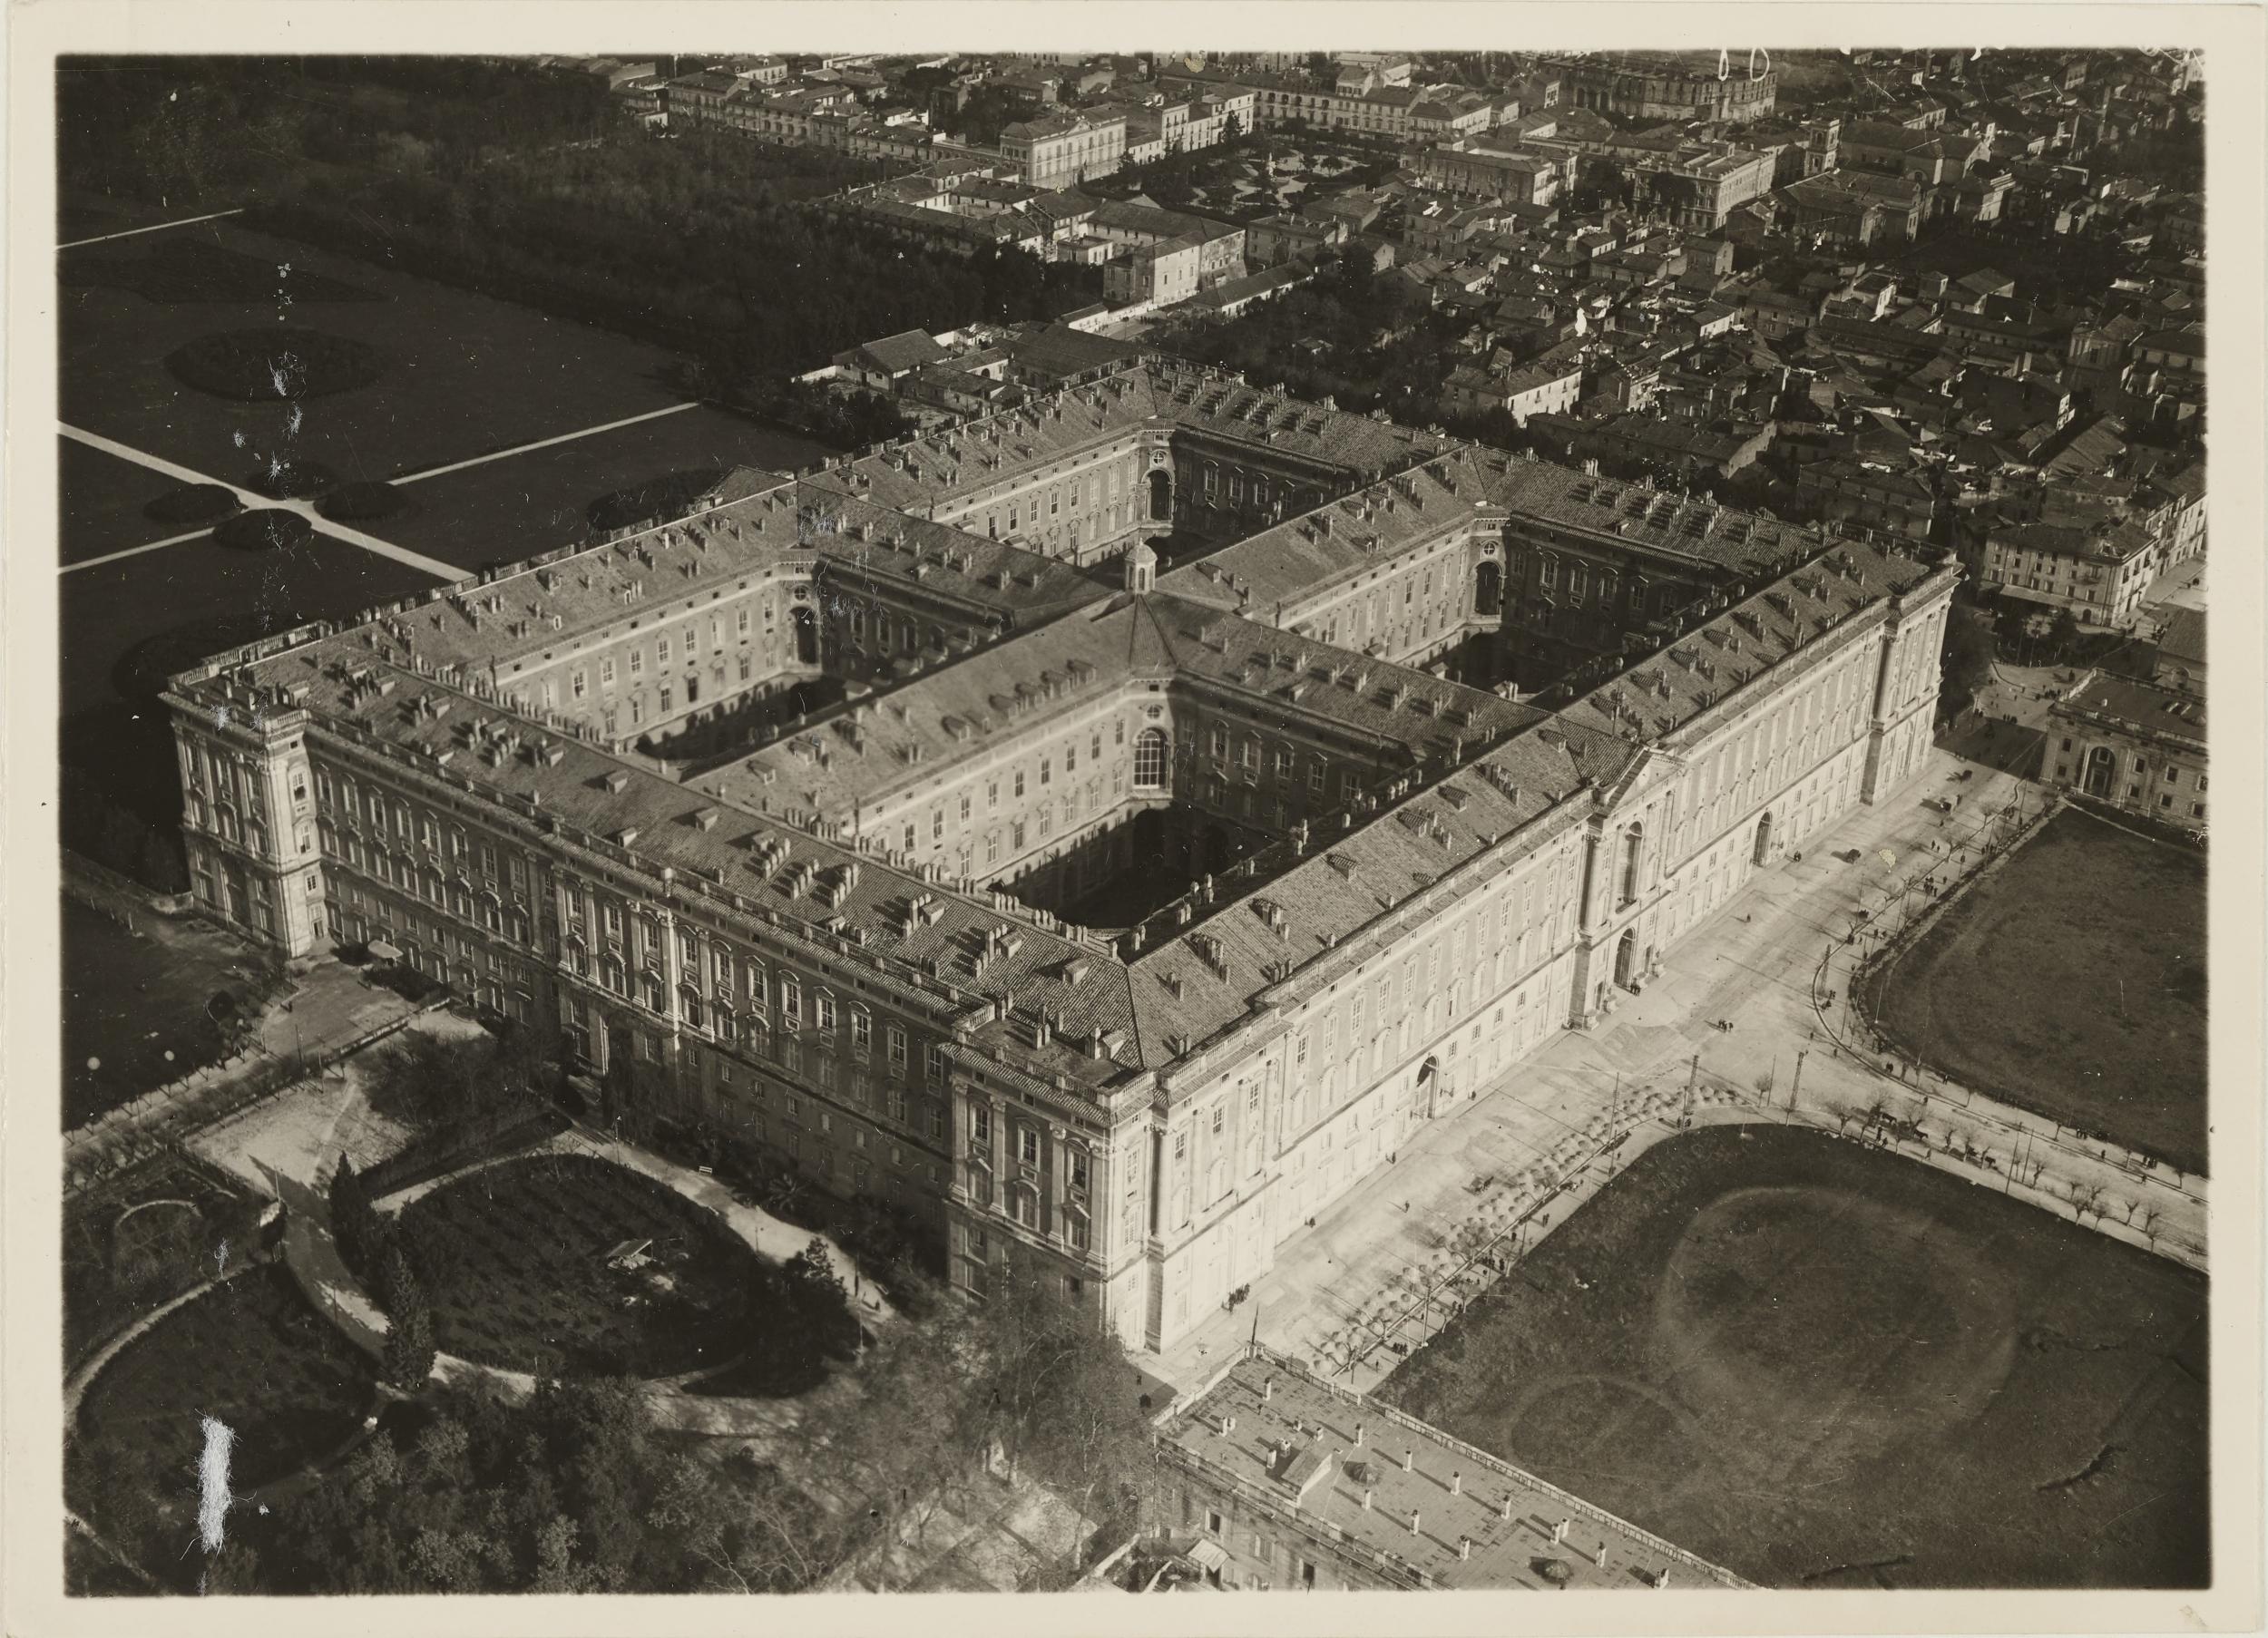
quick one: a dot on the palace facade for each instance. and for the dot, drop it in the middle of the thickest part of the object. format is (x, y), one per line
(1114, 923)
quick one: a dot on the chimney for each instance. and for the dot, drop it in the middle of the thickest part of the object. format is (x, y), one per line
(1358, 1435)
(1367, 1496)
(1456, 1483)
(1409, 1460)
(1415, 1516)
(1268, 1390)
(1504, 1508)
(1464, 1546)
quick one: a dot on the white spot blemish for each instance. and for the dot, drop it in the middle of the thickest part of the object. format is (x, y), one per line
(213, 1481)
(238, 437)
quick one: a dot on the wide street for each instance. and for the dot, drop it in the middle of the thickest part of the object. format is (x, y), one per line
(1537, 1133)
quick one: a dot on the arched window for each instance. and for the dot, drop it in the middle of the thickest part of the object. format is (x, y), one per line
(1632, 848)
(1149, 759)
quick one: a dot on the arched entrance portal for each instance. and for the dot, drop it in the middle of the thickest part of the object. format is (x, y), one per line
(2102, 767)
(1161, 496)
(1488, 589)
(1626, 957)
(1432, 1089)
(1764, 839)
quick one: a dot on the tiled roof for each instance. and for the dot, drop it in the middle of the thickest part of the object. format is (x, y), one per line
(2138, 708)
(425, 683)
(2184, 636)
(1454, 1517)
(1658, 696)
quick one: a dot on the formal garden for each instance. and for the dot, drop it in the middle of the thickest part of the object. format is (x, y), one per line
(569, 1266)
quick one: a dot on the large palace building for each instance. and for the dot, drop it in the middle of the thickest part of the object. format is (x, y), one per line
(1737, 85)
(1113, 923)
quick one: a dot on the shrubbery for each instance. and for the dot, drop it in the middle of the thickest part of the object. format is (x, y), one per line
(193, 504)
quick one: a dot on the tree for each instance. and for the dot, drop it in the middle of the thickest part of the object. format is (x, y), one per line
(820, 1300)
(1057, 1392)
(434, 1081)
(1965, 662)
(410, 1339)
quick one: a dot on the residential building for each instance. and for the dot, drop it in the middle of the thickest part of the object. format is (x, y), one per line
(1059, 152)
(2133, 745)
(2098, 572)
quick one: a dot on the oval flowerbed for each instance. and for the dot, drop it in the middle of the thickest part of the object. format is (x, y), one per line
(194, 504)
(565, 1265)
(274, 364)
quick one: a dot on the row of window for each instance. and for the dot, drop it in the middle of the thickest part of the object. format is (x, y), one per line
(435, 837)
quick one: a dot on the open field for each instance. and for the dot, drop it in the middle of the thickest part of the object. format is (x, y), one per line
(2070, 982)
(513, 1259)
(129, 1001)
(1823, 1365)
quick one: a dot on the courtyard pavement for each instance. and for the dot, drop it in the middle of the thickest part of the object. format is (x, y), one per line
(1542, 1124)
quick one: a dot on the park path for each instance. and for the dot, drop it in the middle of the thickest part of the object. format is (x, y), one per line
(297, 1168)
(521, 449)
(76, 1385)
(185, 222)
(767, 1235)
(253, 500)
(1535, 1143)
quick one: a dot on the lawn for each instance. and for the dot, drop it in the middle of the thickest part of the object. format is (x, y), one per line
(1823, 1365)
(519, 504)
(2070, 982)
(250, 1354)
(514, 1258)
(99, 502)
(128, 1002)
